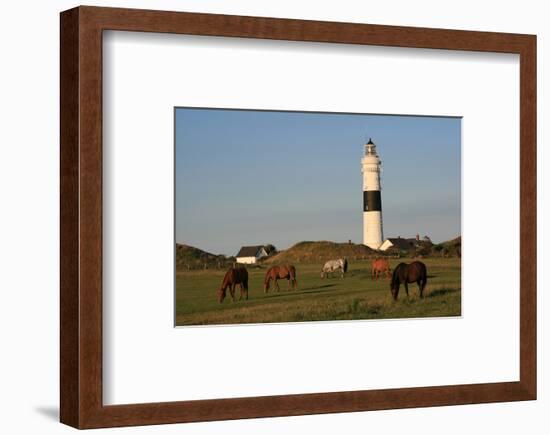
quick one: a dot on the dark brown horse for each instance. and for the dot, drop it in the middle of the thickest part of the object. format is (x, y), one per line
(378, 266)
(275, 273)
(235, 275)
(407, 273)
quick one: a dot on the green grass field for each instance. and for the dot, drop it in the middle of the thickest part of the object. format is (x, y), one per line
(317, 299)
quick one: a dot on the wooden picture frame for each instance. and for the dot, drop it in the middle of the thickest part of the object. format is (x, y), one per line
(81, 217)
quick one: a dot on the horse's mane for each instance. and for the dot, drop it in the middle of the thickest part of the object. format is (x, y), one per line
(225, 280)
(268, 275)
(394, 275)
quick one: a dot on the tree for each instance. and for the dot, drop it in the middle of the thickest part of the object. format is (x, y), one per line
(270, 249)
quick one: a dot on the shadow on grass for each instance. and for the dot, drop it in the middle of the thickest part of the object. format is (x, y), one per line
(442, 292)
(305, 291)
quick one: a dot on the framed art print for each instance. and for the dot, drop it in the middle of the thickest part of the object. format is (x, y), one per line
(309, 187)
(315, 201)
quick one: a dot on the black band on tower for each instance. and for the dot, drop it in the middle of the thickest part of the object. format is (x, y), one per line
(372, 201)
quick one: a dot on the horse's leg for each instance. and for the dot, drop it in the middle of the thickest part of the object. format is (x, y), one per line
(232, 291)
(407, 288)
(277, 285)
(242, 291)
(421, 285)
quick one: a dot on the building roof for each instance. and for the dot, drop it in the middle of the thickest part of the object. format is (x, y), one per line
(249, 251)
(401, 243)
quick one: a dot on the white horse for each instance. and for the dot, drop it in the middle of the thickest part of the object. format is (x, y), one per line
(333, 265)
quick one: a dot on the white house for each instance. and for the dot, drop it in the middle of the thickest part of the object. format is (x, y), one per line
(399, 243)
(404, 244)
(250, 254)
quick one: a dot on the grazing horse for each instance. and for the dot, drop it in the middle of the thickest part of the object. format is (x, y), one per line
(276, 273)
(407, 273)
(333, 265)
(235, 275)
(380, 265)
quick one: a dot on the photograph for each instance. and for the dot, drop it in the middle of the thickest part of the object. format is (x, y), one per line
(287, 216)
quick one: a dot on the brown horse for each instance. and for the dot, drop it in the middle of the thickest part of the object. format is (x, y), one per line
(380, 265)
(407, 273)
(235, 275)
(275, 273)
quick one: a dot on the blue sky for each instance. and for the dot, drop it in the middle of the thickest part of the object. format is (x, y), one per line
(254, 177)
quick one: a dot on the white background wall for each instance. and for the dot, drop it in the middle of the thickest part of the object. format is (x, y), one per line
(29, 278)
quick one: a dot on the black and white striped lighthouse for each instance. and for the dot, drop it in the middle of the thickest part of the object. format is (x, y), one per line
(372, 200)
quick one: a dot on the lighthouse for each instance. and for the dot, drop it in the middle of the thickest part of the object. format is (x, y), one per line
(372, 200)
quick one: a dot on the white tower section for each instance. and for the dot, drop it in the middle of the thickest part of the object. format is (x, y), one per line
(372, 201)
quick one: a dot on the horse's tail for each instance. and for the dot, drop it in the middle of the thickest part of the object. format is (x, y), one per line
(292, 271)
(422, 270)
